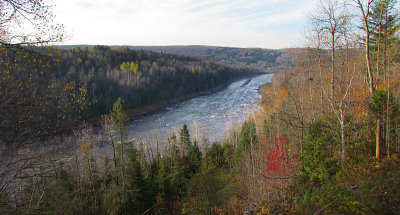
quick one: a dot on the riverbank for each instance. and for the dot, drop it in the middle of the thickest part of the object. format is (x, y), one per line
(213, 113)
(135, 112)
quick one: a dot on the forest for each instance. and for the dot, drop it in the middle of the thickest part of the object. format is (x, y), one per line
(325, 139)
(141, 78)
(67, 87)
(267, 60)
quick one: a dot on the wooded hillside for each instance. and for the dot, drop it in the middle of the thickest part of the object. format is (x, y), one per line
(268, 60)
(142, 77)
(325, 139)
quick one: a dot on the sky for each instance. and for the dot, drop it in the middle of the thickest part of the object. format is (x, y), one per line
(232, 23)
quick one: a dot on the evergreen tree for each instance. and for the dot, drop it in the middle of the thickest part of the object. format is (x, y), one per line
(136, 202)
(119, 114)
(184, 138)
(384, 23)
(194, 155)
(247, 138)
(118, 117)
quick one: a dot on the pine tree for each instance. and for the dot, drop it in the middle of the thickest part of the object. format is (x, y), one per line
(119, 115)
(184, 138)
(247, 138)
(194, 155)
(135, 184)
(384, 24)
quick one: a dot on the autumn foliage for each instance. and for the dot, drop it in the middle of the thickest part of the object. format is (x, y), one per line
(279, 159)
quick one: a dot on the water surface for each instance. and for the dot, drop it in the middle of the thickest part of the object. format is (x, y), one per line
(214, 113)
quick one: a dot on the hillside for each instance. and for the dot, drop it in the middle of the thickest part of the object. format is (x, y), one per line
(67, 86)
(142, 77)
(265, 59)
(325, 138)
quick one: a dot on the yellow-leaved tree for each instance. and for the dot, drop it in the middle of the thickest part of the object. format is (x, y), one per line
(33, 104)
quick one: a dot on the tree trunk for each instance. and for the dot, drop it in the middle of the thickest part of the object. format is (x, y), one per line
(365, 13)
(369, 69)
(333, 64)
(321, 77)
(342, 127)
(388, 122)
(378, 139)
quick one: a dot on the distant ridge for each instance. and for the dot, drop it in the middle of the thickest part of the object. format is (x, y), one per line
(265, 59)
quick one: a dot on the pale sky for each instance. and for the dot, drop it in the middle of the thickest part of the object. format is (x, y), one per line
(233, 23)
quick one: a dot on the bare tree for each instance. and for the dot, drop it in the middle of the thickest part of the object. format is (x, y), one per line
(329, 21)
(198, 133)
(364, 7)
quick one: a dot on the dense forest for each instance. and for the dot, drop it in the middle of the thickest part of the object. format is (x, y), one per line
(265, 59)
(325, 139)
(268, 60)
(141, 77)
(63, 88)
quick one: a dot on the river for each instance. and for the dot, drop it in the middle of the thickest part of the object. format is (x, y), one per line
(213, 113)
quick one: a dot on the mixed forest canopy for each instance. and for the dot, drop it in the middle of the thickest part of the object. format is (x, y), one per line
(142, 77)
(267, 60)
(64, 87)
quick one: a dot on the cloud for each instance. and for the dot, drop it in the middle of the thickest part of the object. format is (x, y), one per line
(241, 23)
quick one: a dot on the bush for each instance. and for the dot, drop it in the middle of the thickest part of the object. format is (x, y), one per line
(319, 157)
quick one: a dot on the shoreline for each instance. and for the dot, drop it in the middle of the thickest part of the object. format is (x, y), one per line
(137, 112)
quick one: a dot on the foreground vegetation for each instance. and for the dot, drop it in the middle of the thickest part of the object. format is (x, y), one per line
(340, 112)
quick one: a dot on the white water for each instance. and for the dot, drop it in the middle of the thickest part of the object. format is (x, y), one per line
(214, 112)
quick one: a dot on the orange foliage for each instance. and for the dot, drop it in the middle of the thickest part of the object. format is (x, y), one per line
(387, 83)
(280, 97)
(360, 95)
